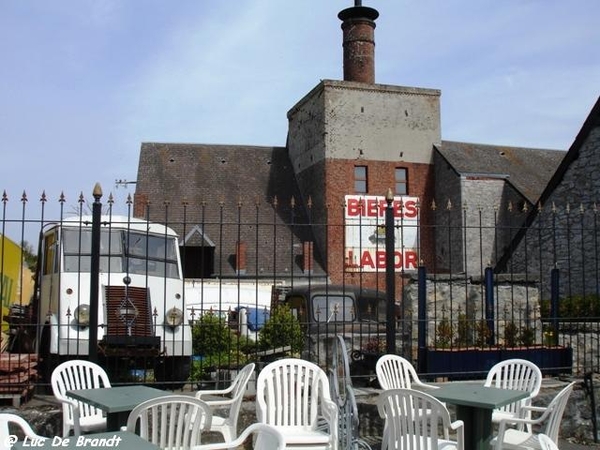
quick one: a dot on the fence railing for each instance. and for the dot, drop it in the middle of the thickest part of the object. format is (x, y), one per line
(487, 285)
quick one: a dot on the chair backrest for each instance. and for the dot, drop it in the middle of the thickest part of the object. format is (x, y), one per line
(5, 430)
(413, 419)
(555, 411)
(289, 393)
(171, 421)
(517, 374)
(78, 374)
(240, 383)
(395, 372)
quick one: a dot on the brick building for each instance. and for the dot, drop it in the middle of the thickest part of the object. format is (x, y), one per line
(349, 141)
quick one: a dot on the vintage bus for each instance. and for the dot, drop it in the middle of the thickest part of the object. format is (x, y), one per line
(142, 321)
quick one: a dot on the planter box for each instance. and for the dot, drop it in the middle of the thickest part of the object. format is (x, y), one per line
(475, 363)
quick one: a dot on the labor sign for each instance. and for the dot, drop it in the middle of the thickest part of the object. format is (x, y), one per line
(365, 233)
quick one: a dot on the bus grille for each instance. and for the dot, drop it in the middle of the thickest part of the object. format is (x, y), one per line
(120, 308)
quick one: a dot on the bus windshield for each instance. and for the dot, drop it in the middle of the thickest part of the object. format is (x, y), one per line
(121, 252)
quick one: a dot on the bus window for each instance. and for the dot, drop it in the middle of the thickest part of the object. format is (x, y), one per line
(50, 254)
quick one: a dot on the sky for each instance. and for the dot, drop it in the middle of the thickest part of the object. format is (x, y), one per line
(84, 82)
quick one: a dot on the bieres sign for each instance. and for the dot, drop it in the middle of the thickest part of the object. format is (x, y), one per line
(365, 233)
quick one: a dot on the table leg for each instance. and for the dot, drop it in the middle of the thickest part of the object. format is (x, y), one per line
(114, 421)
(478, 426)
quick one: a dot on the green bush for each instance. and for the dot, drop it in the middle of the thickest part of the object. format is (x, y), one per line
(443, 334)
(578, 306)
(282, 329)
(210, 335)
(217, 345)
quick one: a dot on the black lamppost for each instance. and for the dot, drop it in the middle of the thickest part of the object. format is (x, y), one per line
(95, 273)
(390, 280)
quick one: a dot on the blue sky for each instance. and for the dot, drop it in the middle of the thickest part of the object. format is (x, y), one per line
(84, 82)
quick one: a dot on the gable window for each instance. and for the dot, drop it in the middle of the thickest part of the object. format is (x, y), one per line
(360, 179)
(401, 181)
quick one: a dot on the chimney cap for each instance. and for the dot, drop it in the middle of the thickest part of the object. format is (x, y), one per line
(358, 12)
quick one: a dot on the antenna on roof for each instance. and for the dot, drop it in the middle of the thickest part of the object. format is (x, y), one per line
(357, 2)
(123, 183)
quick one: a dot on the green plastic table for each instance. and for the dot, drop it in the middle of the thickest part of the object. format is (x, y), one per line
(120, 440)
(116, 401)
(474, 406)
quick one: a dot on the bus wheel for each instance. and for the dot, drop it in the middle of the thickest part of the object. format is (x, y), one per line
(173, 371)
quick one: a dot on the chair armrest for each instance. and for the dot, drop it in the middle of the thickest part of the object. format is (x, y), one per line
(330, 413)
(260, 428)
(199, 394)
(74, 405)
(422, 385)
(213, 403)
(457, 424)
(540, 409)
(459, 427)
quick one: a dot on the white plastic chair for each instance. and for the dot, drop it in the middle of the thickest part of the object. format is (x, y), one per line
(293, 395)
(172, 421)
(518, 374)
(79, 374)
(396, 372)
(414, 419)
(549, 421)
(546, 443)
(266, 438)
(227, 425)
(6, 431)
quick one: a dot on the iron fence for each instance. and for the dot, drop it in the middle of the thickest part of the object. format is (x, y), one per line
(268, 279)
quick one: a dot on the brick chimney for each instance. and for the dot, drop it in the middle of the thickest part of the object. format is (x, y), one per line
(358, 26)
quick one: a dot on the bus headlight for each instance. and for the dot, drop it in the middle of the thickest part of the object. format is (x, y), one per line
(174, 317)
(82, 315)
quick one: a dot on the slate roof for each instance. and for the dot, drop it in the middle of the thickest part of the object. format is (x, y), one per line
(224, 186)
(527, 169)
(591, 123)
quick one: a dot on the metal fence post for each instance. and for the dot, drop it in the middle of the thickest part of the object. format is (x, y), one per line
(390, 281)
(554, 294)
(422, 314)
(489, 304)
(95, 273)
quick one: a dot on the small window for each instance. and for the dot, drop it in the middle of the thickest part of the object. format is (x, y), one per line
(401, 181)
(360, 179)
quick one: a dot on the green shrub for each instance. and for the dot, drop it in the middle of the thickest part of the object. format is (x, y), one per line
(443, 334)
(282, 329)
(210, 335)
(217, 345)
